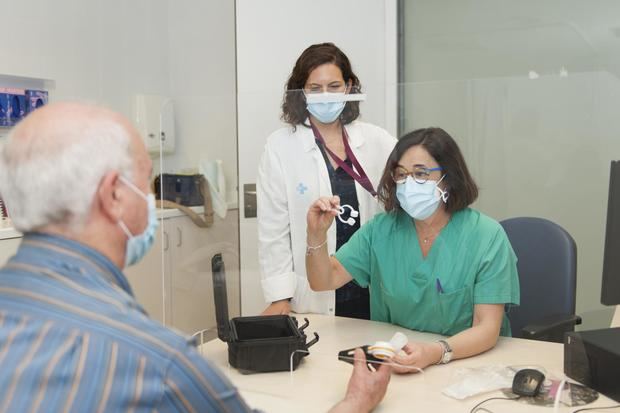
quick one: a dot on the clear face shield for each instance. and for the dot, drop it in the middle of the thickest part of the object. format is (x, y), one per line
(324, 104)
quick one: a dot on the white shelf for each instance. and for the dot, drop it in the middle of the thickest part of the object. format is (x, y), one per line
(24, 82)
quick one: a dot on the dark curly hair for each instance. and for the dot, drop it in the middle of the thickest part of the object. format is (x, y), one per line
(294, 110)
(441, 146)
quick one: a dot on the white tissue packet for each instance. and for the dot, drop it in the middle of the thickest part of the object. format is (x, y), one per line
(475, 381)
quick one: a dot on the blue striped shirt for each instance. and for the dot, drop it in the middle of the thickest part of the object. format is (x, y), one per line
(74, 339)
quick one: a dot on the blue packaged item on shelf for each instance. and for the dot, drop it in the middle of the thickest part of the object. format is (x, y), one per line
(35, 99)
(12, 106)
(4, 109)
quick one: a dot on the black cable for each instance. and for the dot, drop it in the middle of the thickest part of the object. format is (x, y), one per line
(476, 407)
(597, 408)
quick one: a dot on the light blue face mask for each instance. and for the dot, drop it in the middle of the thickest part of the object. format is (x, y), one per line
(325, 111)
(420, 201)
(138, 245)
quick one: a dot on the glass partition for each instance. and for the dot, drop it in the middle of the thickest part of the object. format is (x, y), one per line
(199, 169)
(530, 91)
(152, 61)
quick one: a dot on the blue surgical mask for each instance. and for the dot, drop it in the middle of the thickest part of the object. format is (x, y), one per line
(138, 245)
(326, 111)
(420, 201)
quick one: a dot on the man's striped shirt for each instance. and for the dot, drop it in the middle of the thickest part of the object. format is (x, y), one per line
(74, 339)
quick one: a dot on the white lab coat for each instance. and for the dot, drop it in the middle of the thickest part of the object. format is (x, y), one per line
(292, 175)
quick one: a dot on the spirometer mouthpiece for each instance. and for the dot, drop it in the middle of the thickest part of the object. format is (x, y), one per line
(352, 215)
(385, 350)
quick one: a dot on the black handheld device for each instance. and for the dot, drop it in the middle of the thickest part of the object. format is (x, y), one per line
(349, 354)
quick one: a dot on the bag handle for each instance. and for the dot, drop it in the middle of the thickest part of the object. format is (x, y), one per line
(199, 221)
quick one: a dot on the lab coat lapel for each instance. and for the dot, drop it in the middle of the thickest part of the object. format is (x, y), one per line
(356, 140)
(307, 137)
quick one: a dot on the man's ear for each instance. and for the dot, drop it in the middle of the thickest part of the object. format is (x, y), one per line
(108, 196)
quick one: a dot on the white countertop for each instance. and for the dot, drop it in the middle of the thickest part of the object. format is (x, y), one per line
(7, 231)
(321, 380)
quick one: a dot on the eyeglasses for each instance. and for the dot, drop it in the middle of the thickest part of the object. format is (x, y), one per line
(420, 174)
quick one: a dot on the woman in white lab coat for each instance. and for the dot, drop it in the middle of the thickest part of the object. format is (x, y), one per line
(325, 151)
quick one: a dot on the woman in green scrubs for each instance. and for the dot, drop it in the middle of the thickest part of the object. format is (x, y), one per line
(431, 262)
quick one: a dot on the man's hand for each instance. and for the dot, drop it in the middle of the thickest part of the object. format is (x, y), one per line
(278, 308)
(366, 388)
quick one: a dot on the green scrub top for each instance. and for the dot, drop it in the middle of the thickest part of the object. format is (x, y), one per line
(470, 262)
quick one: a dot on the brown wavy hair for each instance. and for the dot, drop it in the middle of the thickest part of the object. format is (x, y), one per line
(461, 187)
(294, 110)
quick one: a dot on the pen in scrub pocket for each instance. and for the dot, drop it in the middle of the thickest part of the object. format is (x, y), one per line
(439, 287)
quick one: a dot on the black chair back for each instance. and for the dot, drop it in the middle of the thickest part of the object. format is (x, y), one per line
(547, 265)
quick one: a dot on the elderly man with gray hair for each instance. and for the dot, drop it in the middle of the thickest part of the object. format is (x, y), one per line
(73, 338)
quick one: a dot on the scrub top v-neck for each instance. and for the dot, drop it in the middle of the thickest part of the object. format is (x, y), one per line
(470, 262)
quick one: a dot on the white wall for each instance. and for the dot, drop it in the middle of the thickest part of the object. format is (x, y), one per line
(95, 50)
(271, 34)
(108, 51)
(537, 147)
(201, 53)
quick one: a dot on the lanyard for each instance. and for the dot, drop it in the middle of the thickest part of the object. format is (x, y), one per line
(360, 177)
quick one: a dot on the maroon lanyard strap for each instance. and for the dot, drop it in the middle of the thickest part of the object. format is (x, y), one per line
(360, 177)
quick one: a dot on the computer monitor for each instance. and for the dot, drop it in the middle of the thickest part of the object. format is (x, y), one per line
(610, 290)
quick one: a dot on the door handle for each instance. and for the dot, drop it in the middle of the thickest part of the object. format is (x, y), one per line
(249, 200)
